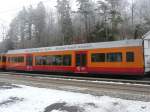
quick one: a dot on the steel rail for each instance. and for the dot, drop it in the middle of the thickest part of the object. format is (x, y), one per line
(84, 86)
(80, 83)
(145, 80)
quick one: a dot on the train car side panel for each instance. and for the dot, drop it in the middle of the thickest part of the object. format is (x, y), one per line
(16, 62)
(53, 62)
(121, 66)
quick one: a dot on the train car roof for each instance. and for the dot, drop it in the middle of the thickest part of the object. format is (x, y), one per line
(112, 44)
(2, 53)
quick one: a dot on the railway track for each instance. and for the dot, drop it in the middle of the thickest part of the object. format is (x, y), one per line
(145, 80)
(133, 91)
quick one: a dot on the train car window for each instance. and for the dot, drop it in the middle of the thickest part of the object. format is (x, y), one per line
(114, 57)
(29, 60)
(58, 60)
(78, 60)
(67, 60)
(20, 59)
(8, 59)
(4, 58)
(130, 56)
(43, 60)
(0, 59)
(40, 60)
(37, 60)
(53, 60)
(48, 60)
(12, 59)
(16, 59)
(83, 59)
(98, 57)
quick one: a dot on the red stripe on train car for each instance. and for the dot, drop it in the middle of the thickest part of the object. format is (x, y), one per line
(119, 71)
(96, 70)
(53, 68)
(23, 68)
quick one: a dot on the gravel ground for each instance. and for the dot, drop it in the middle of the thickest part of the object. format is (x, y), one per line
(53, 84)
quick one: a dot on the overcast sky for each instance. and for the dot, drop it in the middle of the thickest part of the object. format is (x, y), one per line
(9, 8)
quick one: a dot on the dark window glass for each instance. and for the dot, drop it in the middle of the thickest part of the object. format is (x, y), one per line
(16, 59)
(58, 60)
(13, 59)
(29, 60)
(67, 60)
(83, 60)
(20, 59)
(40, 60)
(78, 60)
(4, 58)
(53, 60)
(98, 57)
(48, 60)
(43, 60)
(130, 57)
(0, 59)
(37, 60)
(8, 59)
(114, 57)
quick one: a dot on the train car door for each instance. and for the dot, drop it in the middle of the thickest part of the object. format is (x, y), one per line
(29, 62)
(81, 62)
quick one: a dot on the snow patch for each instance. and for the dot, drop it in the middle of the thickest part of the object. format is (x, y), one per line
(42, 100)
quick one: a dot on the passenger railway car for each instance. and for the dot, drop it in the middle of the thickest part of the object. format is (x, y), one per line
(126, 57)
(2, 61)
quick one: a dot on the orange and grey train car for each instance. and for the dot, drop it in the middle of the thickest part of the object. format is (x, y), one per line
(2, 61)
(124, 57)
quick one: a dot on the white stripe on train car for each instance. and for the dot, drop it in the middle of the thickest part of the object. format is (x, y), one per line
(112, 44)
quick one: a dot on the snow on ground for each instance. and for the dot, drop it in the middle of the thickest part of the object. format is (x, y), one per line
(20, 98)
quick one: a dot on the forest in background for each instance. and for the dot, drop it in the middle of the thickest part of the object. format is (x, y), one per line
(92, 21)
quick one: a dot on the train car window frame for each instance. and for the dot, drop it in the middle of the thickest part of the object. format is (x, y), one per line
(98, 57)
(130, 57)
(114, 57)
